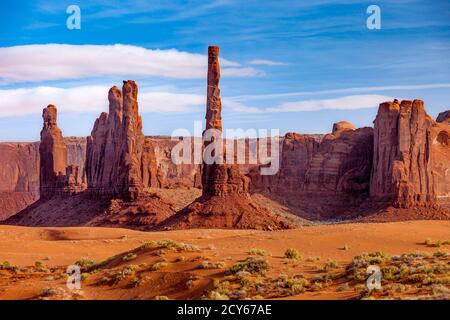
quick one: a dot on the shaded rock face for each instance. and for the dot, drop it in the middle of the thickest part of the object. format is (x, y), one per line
(115, 148)
(13, 202)
(19, 167)
(402, 172)
(443, 116)
(322, 177)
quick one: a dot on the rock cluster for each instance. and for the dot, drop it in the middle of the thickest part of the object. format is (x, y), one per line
(116, 146)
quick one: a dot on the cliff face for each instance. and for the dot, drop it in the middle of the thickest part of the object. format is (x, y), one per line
(115, 147)
(402, 165)
(322, 176)
(440, 152)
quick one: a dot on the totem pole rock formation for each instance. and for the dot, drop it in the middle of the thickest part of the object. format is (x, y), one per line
(402, 165)
(225, 200)
(115, 148)
(218, 178)
(56, 178)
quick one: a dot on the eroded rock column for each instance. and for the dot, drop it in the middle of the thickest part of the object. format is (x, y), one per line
(402, 168)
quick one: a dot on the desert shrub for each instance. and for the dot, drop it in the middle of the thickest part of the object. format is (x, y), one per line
(251, 265)
(258, 252)
(330, 265)
(158, 266)
(312, 259)
(441, 254)
(84, 276)
(216, 295)
(292, 254)
(104, 280)
(212, 265)
(180, 259)
(129, 256)
(343, 287)
(389, 272)
(136, 282)
(49, 292)
(85, 263)
(148, 245)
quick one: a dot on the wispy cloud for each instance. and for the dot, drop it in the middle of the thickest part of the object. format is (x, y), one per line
(341, 91)
(33, 63)
(341, 103)
(85, 99)
(266, 62)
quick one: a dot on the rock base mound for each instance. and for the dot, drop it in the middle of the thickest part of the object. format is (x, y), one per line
(225, 212)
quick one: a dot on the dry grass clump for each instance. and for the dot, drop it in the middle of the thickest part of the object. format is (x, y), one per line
(158, 266)
(252, 265)
(258, 252)
(292, 254)
(212, 265)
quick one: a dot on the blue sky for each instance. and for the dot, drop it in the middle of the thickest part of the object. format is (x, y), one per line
(290, 65)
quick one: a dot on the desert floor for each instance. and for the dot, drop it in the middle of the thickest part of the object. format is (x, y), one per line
(36, 260)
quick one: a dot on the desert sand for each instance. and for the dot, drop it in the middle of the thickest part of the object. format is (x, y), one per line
(191, 274)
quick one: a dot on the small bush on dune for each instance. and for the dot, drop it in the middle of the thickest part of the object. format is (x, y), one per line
(85, 263)
(258, 252)
(330, 265)
(129, 256)
(292, 254)
(158, 266)
(252, 265)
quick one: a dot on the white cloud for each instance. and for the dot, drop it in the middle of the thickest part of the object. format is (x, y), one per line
(341, 103)
(94, 98)
(343, 90)
(236, 106)
(267, 62)
(33, 63)
(26, 101)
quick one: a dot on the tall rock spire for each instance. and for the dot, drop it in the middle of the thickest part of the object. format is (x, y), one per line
(225, 201)
(56, 178)
(53, 153)
(115, 147)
